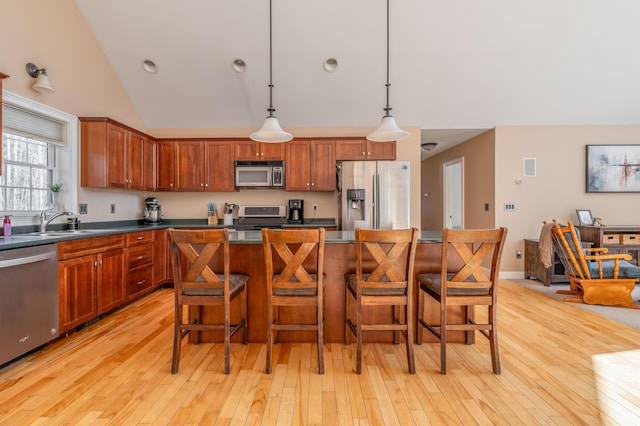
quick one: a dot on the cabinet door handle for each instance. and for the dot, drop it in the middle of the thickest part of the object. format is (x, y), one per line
(171, 184)
(140, 238)
(100, 263)
(307, 183)
(95, 263)
(313, 184)
(364, 154)
(141, 257)
(206, 185)
(142, 282)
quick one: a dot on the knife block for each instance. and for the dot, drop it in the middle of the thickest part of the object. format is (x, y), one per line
(213, 219)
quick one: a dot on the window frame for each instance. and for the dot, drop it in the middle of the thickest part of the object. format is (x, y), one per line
(66, 157)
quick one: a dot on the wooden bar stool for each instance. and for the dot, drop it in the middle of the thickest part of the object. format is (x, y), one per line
(293, 284)
(195, 256)
(467, 286)
(384, 276)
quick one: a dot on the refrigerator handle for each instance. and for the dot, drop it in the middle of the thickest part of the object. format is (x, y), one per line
(376, 199)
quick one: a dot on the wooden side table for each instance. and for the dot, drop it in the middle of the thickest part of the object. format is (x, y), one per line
(533, 267)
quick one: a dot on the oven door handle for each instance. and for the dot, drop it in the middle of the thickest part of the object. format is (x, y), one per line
(18, 261)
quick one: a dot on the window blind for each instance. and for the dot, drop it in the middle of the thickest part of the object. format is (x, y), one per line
(30, 124)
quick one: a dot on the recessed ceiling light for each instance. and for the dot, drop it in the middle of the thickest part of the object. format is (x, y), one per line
(149, 66)
(330, 65)
(238, 65)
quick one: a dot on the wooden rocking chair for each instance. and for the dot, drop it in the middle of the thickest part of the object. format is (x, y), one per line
(595, 276)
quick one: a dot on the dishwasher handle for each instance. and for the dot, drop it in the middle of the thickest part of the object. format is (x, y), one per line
(27, 260)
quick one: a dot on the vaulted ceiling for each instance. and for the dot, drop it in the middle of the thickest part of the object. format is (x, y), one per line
(456, 65)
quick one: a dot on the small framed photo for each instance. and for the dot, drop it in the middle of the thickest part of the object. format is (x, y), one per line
(584, 217)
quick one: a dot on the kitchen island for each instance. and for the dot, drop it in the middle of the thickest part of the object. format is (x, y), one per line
(247, 258)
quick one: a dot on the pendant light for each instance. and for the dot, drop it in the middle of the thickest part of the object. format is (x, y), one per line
(388, 130)
(271, 132)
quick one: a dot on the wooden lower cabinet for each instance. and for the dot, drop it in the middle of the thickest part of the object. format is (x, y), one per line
(77, 298)
(141, 251)
(111, 273)
(89, 286)
(97, 275)
(160, 262)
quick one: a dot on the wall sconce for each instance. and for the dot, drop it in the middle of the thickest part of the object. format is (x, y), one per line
(42, 82)
(429, 146)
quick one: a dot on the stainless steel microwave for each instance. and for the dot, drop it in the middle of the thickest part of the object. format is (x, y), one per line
(259, 174)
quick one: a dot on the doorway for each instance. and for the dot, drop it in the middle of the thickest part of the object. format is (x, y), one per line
(453, 193)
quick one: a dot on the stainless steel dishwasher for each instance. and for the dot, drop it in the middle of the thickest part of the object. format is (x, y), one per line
(28, 299)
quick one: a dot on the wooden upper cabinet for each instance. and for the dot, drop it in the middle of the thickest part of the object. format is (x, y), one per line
(195, 166)
(149, 164)
(311, 165)
(189, 166)
(113, 155)
(219, 172)
(323, 165)
(166, 166)
(259, 151)
(134, 173)
(362, 149)
(116, 156)
(2, 77)
(298, 166)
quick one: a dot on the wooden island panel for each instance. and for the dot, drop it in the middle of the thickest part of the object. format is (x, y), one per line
(339, 259)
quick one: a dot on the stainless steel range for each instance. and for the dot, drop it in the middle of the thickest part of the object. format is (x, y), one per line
(252, 218)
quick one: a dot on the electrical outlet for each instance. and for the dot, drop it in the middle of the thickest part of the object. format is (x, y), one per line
(113, 208)
(315, 208)
(518, 254)
(83, 208)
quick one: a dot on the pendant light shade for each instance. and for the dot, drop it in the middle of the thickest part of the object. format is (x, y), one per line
(271, 132)
(388, 130)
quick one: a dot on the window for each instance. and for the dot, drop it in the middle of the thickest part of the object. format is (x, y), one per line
(39, 148)
(27, 173)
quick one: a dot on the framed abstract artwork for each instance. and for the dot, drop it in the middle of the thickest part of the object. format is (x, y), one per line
(613, 168)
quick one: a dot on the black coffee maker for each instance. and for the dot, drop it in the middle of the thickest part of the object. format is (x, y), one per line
(296, 211)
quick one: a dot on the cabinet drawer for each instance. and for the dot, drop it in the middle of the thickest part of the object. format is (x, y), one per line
(86, 246)
(140, 255)
(143, 237)
(139, 280)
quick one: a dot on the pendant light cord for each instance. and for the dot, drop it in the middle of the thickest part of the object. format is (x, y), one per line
(271, 109)
(387, 109)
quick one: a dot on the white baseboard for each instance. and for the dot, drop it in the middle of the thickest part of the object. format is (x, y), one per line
(512, 275)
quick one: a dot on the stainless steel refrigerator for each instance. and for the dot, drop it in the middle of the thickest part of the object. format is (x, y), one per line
(374, 195)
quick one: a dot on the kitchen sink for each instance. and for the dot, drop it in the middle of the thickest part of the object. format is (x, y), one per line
(48, 234)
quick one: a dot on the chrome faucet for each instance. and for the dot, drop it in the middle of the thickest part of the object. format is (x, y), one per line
(44, 221)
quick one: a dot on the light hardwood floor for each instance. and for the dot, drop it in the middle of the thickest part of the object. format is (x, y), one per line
(116, 371)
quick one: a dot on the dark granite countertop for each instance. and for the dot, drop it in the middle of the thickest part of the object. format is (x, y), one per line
(21, 237)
